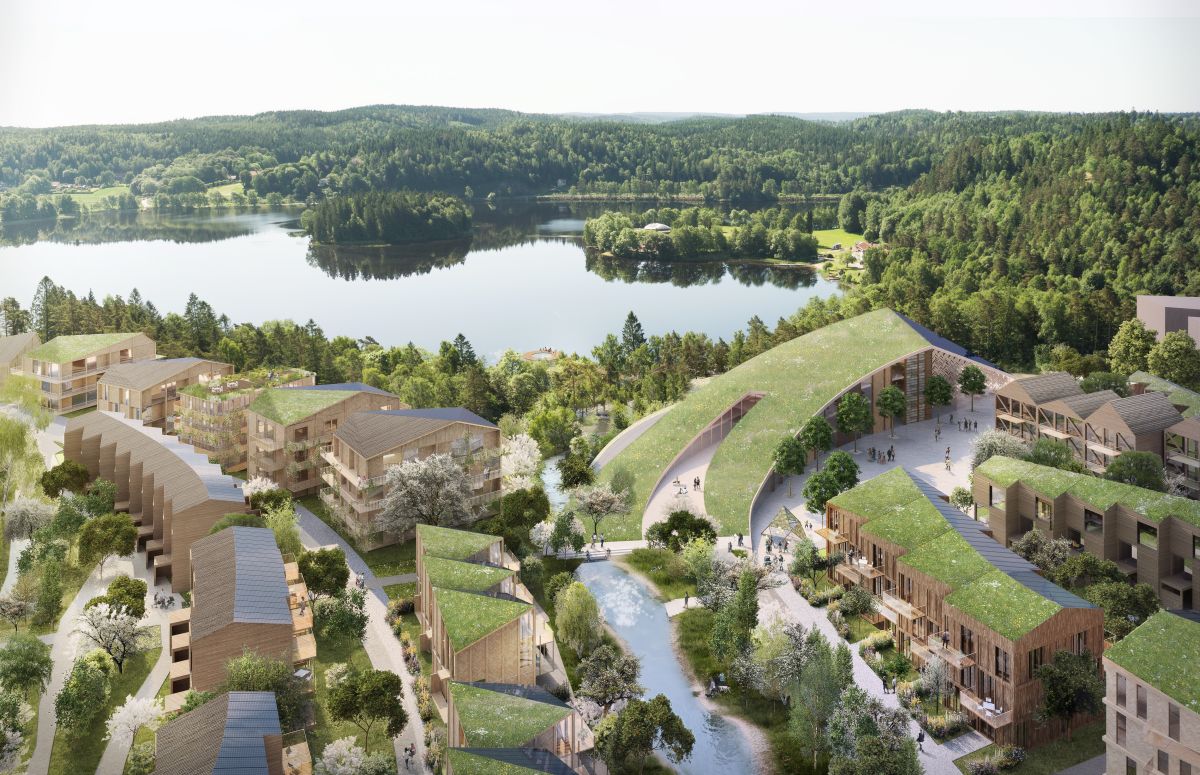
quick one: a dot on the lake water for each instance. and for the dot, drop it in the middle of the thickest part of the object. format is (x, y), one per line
(523, 281)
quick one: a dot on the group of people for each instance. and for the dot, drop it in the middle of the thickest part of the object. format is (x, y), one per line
(164, 601)
(599, 536)
(682, 489)
(882, 456)
(410, 753)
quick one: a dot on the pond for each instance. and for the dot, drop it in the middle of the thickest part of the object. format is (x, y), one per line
(523, 281)
(641, 621)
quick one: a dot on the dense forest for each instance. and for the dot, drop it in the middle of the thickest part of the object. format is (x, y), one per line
(702, 233)
(387, 218)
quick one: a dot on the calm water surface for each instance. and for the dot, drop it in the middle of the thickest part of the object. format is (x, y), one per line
(523, 281)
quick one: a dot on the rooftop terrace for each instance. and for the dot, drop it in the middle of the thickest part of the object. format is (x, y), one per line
(288, 406)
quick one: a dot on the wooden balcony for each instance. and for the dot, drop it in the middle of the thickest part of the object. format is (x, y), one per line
(297, 759)
(952, 655)
(181, 670)
(304, 648)
(894, 608)
(985, 711)
(861, 573)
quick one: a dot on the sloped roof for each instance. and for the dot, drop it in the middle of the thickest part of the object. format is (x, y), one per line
(453, 544)
(1082, 405)
(470, 616)
(239, 577)
(505, 715)
(140, 375)
(1178, 394)
(224, 736)
(506, 761)
(375, 432)
(13, 347)
(1050, 387)
(463, 576)
(61, 349)
(290, 405)
(1164, 651)
(1147, 413)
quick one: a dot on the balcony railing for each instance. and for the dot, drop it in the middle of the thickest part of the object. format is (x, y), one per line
(985, 710)
(898, 606)
(952, 655)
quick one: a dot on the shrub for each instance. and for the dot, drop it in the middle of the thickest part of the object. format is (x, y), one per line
(982, 767)
(824, 597)
(877, 641)
(270, 499)
(839, 622)
(237, 520)
(946, 725)
(557, 583)
(533, 570)
(1008, 756)
(435, 747)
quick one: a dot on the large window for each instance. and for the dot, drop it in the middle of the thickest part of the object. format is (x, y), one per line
(1164, 762)
(1093, 522)
(1121, 732)
(1045, 510)
(1120, 690)
(1173, 721)
(1148, 535)
(1003, 668)
(1036, 657)
(1141, 701)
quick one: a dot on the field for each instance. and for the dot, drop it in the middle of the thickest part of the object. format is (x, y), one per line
(827, 238)
(94, 199)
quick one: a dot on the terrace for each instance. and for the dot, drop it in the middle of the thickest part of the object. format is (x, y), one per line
(985, 710)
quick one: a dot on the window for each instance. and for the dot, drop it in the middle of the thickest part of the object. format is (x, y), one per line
(1130, 766)
(1003, 668)
(1164, 761)
(1173, 721)
(1079, 642)
(1121, 732)
(1141, 701)
(1196, 547)
(300, 434)
(1035, 659)
(1045, 510)
(1093, 522)
(331, 425)
(1120, 690)
(1075, 537)
(1184, 768)
(301, 455)
(1148, 536)
(995, 498)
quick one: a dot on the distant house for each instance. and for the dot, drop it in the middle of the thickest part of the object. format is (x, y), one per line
(68, 367)
(1164, 314)
(148, 390)
(860, 249)
(661, 227)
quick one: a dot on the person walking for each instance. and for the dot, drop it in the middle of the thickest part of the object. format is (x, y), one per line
(976, 424)
(885, 684)
(696, 483)
(686, 596)
(920, 739)
(947, 462)
(601, 540)
(593, 539)
(893, 684)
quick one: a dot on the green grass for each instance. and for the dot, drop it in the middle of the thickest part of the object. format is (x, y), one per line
(1163, 652)
(798, 378)
(30, 730)
(392, 560)
(331, 651)
(82, 752)
(469, 617)
(948, 558)
(827, 238)
(860, 628)
(1004, 604)
(287, 406)
(1086, 743)
(72, 579)
(397, 591)
(463, 576)
(658, 565)
(62, 349)
(499, 720)
(79, 413)
(453, 544)
(93, 198)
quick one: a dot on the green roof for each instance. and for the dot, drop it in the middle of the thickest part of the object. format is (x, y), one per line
(1165, 653)
(1098, 493)
(797, 377)
(467, 763)
(463, 576)
(469, 617)
(62, 349)
(1004, 604)
(949, 559)
(256, 379)
(493, 719)
(1178, 393)
(452, 544)
(895, 510)
(287, 406)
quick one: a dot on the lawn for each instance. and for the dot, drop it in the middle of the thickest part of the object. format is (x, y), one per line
(1087, 742)
(93, 198)
(79, 412)
(860, 628)
(658, 565)
(827, 238)
(30, 730)
(797, 379)
(397, 591)
(385, 561)
(330, 652)
(82, 752)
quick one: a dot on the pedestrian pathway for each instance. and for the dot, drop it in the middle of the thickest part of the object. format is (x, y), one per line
(1094, 766)
(14, 553)
(403, 578)
(671, 497)
(936, 758)
(381, 645)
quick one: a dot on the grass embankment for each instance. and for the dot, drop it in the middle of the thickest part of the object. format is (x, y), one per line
(391, 560)
(664, 570)
(1087, 742)
(81, 752)
(827, 238)
(693, 631)
(330, 652)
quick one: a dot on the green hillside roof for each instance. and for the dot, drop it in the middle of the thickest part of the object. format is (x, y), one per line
(287, 406)
(949, 559)
(452, 544)
(62, 349)
(468, 763)
(797, 377)
(1099, 493)
(495, 719)
(1004, 604)
(463, 576)
(895, 509)
(469, 617)
(1165, 653)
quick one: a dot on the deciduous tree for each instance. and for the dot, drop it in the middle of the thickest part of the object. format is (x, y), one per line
(1130, 347)
(109, 535)
(25, 664)
(890, 404)
(116, 632)
(577, 618)
(369, 697)
(598, 502)
(1071, 686)
(1175, 358)
(641, 728)
(325, 570)
(817, 436)
(854, 416)
(608, 675)
(939, 393)
(972, 382)
(431, 491)
(1141, 469)
(790, 456)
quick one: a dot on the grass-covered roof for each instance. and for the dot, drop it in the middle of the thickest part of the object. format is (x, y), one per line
(797, 377)
(468, 763)
(247, 381)
(452, 544)
(949, 559)
(1099, 493)
(468, 616)
(494, 719)
(1004, 604)
(62, 349)
(1165, 653)
(463, 576)
(287, 406)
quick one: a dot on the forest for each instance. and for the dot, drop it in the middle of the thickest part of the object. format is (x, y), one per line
(387, 218)
(702, 233)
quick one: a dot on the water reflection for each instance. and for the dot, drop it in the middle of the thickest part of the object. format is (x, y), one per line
(101, 228)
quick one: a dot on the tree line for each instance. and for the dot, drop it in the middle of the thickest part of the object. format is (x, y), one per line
(387, 217)
(704, 233)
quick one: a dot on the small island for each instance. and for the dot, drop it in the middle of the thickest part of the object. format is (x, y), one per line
(387, 218)
(703, 234)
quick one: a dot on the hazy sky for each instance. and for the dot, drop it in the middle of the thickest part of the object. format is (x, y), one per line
(82, 61)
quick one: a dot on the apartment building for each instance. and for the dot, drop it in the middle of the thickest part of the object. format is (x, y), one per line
(1181, 454)
(288, 427)
(1152, 697)
(1096, 426)
(212, 417)
(12, 352)
(172, 493)
(947, 590)
(235, 732)
(245, 597)
(1153, 537)
(367, 444)
(1164, 314)
(149, 390)
(68, 367)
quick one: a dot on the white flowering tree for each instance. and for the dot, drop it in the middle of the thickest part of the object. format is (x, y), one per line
(430, 491)
(598, 502)
(258, 484)
(25, 515)
(116, 632)
(541, 534)
(137, 712)
(519, 462)
(341, 757)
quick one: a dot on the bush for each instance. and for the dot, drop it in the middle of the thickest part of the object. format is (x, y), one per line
(824, 597)
(839, 622)
(425, 707)
(557, 583)
(982, 767)
(946, 725)
(533, 571)
(1008, 756)
(876, 641)
(270, 499)
(237, 520)
(67, 475)
(679, 527)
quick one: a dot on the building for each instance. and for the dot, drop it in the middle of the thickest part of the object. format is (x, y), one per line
(174, 495)
(661, 228)
(1096, 426)
(149, 390)
(244, 597)
(12, 352)
(235, 733)
(212, 417)
(1181, 454)
(287, 427)
(859, 251)
(523, 725)
(1186, 401)
(1153, 537)
(946, 589)
(1152, 697)
(367, 444)
(1164, 314)
(69, 367)
(478, 620)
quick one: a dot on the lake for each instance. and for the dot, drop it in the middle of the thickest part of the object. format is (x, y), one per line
(522, 282)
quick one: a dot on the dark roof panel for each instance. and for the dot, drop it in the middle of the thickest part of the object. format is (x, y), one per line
(239, 577)
(532, 759)
(224, 736)
(1147, 413)
(937, 340)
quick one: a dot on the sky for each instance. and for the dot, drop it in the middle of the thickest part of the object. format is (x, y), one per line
(125, 61)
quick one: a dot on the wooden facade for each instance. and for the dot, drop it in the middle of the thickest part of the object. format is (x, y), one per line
(12, 352)
(69, 384)
(173, 494)
(149, 391)
(1181, 451)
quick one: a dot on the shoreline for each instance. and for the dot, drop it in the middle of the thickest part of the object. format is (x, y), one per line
(716, 258)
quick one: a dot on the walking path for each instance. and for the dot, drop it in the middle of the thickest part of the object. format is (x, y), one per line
(387, 581)
(381, 645)
(1094, 766)
(937, 759)
(672, 497)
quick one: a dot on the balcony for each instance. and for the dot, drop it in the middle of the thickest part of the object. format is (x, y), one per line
(952, 655)
(269, 463)
(297, 759)
(984, 710)
(267, 443)
(859, 572)
(894, 608)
